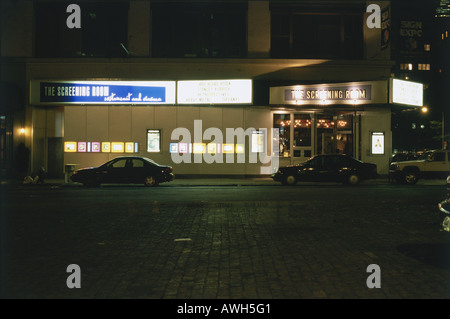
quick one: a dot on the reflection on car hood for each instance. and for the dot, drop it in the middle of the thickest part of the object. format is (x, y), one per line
(85, 168)
(411, 161)
(292, 166)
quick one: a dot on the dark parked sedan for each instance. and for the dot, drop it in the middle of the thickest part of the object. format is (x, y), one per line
(130, 169)
(327, 168)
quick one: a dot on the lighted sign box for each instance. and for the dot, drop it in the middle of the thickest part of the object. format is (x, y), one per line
(199, 148)
(182, 147)
(82, 147)
(102, 92)
(240, 148)
(129, 147)
(212, 148)
(117, 147)
(97, 147)
(228, 148)
(406, 92)
(173, 147)
(258, 139)
(106, 147)
(153, 141)
(215, 92)
(335, 93)
(70, 147)
(377, 143)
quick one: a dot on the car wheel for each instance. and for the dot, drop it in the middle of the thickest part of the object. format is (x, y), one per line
(290, 180)
(150, 181)
(411, 177)
(353, 179)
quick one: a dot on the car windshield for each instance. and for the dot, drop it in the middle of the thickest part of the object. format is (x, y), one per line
(425, 155)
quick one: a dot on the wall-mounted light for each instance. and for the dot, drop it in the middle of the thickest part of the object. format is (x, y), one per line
(424, 109)
(22, 131)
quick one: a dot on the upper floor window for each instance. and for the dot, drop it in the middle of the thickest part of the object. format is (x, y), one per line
(424, 66)
(316, 35)
(103, 31)
(199, 30)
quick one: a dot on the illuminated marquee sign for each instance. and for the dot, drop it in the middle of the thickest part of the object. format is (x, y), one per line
(102, 92)
(406, 92)
(215, 92)
(338, 93)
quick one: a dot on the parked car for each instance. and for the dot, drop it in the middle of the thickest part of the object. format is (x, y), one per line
(431, 164)
(327, 168)
(126, 169)
(400, 157)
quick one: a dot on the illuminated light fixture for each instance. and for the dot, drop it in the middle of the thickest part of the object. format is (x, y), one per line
(342, 123)
(410, 66)
(22, 131)
(424, 109)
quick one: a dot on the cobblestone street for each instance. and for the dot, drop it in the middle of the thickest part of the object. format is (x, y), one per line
(130, 244)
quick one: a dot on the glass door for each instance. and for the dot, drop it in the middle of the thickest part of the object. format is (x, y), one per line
(303, 137)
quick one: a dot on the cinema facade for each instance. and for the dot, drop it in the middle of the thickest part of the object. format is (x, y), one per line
(210, 125)
(280, 94)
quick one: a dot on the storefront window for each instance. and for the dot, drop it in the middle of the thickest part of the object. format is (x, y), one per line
(302, 129)
(153, 141)
(344, 122)
(283, 123)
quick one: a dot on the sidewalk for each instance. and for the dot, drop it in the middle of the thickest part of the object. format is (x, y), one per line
(213, 180)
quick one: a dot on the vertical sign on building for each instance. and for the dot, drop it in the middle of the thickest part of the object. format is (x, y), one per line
(385, 28)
